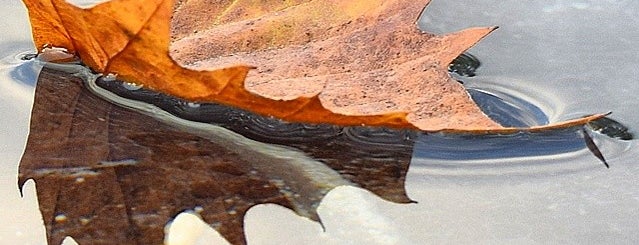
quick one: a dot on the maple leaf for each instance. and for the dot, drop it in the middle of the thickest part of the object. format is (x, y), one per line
(106, 174)
(111, 168)
(338, 62)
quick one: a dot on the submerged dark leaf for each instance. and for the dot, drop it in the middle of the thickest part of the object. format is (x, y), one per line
(593, 147)
(110, 175)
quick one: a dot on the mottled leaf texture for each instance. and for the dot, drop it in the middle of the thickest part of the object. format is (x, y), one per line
(113, 173)
(109, 175)
(338, 62)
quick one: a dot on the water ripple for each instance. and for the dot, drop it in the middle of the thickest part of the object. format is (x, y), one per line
(266, 129)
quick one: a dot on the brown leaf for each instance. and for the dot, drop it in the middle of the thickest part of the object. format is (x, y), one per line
(109, 175)
(339, 62)
(106, 174)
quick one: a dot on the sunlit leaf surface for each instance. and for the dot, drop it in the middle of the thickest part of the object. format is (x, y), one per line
(281, 116)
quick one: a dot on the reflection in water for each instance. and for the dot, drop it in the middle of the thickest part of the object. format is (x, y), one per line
(507, 110)
(464, 65)
(511, 111)
(476, 151)
(272, 130)
(469, 147)
(25, 73)
(374, 158)
(590, 143)
(227, 180)
(18, 77)
(221, 160)
(504, 156)
(611, 128)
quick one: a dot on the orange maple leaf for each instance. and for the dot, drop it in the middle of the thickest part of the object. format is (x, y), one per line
(339, 62)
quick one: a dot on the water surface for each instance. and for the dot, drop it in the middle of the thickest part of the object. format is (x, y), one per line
(554, 60)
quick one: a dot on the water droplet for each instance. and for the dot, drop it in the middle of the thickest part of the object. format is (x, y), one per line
(110, 77)
(60, 218)
(131, 86)
(84, 221)
(216, 225)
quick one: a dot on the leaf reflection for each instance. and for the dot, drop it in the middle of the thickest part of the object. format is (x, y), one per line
(119, 175)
